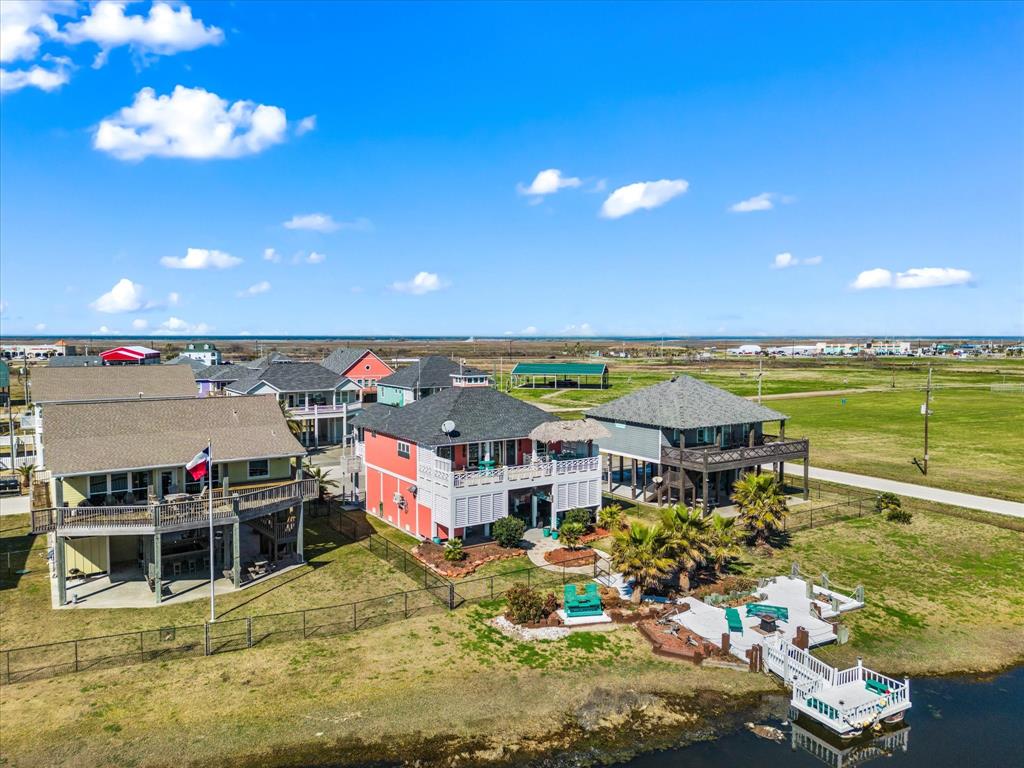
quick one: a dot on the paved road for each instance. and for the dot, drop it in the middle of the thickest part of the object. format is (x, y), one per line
(970, 501)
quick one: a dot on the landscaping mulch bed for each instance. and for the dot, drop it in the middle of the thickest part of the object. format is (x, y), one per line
(571, 557)
(595, 534)
(432, 556)
(677, 642)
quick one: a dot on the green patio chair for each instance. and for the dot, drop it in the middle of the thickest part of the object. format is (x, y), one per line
(732, 618)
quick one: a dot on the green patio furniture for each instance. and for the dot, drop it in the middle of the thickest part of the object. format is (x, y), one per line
(732, 618)
(759, 609)
(876, 686)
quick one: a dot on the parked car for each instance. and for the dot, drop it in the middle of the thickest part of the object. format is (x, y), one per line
(10, 485)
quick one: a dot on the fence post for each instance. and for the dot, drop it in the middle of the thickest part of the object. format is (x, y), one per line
(405, 595)
(303, 625)
(492, 587)
(528, 572)
(248, 630)
(9, 661)
(142, 648)
(354, 624)
(451, 597)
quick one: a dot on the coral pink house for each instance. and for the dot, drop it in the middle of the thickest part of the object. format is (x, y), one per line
(456, 461)
(360, 365)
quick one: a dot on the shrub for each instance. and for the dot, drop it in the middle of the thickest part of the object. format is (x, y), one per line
(525, 604)
(570, 534)
(508, 531)
(886, 501)
(899, 515)
(578, 515)
(453, 551)
(891, 506)
(550, 604)
(611, 517)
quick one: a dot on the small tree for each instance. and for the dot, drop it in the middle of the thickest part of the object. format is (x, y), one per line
(26, 471)
(508, 531)
(323, 480)
(578, 515)
(525, 604)
(891, 506)
(762, 505)
(643, 554)
(721, 542)
(453, 551)
(570, 534)
(611, 517)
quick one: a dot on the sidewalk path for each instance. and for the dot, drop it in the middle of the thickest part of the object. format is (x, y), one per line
(14, 505)
(970, 501)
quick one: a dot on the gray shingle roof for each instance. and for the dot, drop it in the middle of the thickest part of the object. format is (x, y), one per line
(73, 361)
(135, 434)
(111, 382)
(196, 365)
(684, 403)
(290, 377)
(479, 413)
(222, 372)
(432, 372)
(270, 357)
(343, 358)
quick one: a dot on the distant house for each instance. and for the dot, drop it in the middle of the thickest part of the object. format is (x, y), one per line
(315, 397)
(557, 375)
(124, 511)
(197, 366)
(130, 355)
(79, 384)
(744, 349)
(694, 437)
(424, 377)
(361, 365)
(203, 351)
(454, 462)
(73, 361)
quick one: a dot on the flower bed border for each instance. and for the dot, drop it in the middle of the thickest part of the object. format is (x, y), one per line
(468, 566)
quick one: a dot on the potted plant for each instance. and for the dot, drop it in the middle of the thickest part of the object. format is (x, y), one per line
(546, 531)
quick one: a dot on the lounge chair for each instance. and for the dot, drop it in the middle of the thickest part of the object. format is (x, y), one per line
(732, 618)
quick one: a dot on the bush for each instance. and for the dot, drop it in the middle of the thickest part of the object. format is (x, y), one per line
(508, 531)
(891, 506)
(453, 551)
(550, 604)
(525, 604)
(612, 517)
(570, 534)
(580, 516)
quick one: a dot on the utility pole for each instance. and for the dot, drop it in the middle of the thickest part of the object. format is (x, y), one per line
(760, 373)
(927, 410)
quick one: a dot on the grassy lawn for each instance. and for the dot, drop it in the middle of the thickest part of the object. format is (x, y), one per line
(943, 593)
(976, 437)
(336, 572)
(430, 682)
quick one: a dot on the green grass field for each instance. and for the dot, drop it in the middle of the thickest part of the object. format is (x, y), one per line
(976, 433)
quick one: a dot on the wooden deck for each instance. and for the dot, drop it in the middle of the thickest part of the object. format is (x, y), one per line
(241, 504)
(714, 459)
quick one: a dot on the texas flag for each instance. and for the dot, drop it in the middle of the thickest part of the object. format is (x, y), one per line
(199, 465)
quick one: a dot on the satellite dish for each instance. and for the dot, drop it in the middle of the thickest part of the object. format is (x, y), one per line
(448, 426)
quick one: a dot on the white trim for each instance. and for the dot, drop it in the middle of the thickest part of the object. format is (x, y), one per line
(172, 466)
(628, 456)
(248, 471)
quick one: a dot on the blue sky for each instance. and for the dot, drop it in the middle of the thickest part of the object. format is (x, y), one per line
(874, 155)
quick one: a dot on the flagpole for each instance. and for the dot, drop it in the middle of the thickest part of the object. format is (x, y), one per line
(209, 488)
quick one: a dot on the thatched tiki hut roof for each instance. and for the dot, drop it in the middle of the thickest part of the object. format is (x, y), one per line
(572, 430)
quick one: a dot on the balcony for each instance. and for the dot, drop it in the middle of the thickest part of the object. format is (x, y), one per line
(535, 472)
(713, 459)
(172, 515)
(323, 411)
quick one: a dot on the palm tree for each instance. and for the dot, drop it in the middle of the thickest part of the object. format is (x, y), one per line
(294, 426)
(687, 531)
(26, 471)
(643, 553)
(762, 505)
(722, 542)
(323, 480)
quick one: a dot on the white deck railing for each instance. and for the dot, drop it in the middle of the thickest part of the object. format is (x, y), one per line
(330, 410)
(537, 470)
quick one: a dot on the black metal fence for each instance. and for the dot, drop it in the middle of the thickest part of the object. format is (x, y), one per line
(436, 595)
(814, 517)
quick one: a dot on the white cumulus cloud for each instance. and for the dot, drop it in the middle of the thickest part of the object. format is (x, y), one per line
(255, 290)
(192, 123)
(40, 327)
(421, 283)
(37, 76)
(548, 182)
(642, 195)
(125, 296)
(783, 260)
(25, 23)
(315, 258)
(201, 258)
(315, 222)
(762, 202)
(583, 329)
(270, 254)
(175, 325)
(165, 31)
(140, 324)
(305, 125)
(917, 277)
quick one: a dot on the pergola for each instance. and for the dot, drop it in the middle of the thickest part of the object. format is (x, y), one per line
(558, 375)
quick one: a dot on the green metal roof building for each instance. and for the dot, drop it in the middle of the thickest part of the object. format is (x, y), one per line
(558, 375)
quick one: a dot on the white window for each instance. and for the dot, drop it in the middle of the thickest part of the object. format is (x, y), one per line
(259, 468)
(403, 449)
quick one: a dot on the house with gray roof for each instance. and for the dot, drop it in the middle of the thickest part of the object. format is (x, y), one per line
(317, 400)
(424, 377)
(361, 365)
(683, 436)
(73, 361)
(195, 364)
(451, 464)
(127, 519)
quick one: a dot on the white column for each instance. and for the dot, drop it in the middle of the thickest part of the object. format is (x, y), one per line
(533, 509)
(316, 427)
